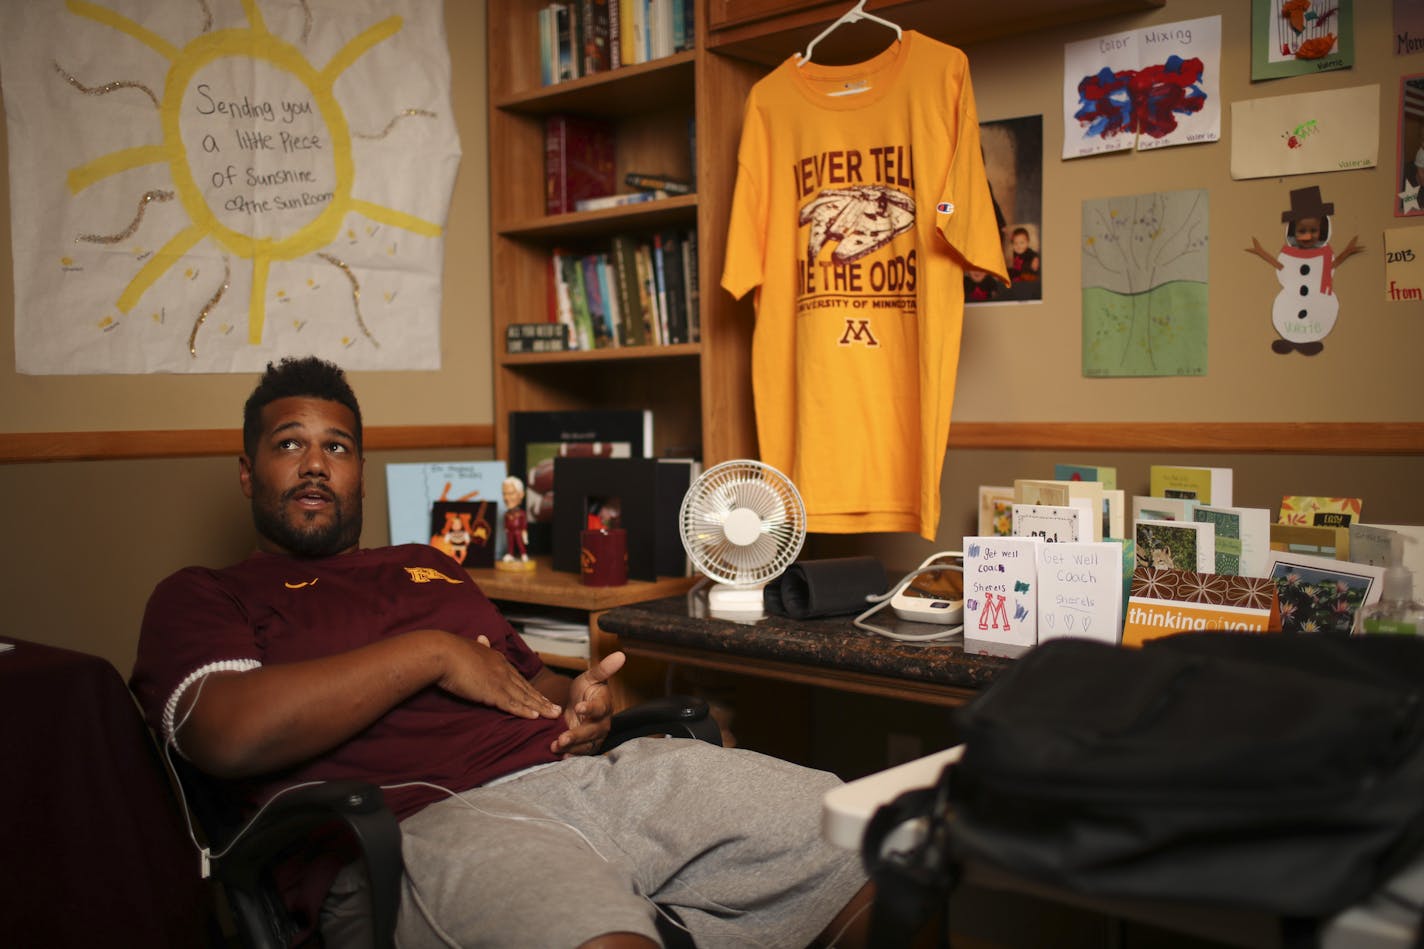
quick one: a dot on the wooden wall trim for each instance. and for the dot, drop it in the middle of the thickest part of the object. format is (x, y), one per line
(1250, 438)
(23, 447)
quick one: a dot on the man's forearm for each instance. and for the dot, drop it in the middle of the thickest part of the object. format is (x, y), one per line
(245, 723)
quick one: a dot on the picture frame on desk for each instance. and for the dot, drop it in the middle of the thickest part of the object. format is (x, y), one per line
(1321, 595)
(536, 438)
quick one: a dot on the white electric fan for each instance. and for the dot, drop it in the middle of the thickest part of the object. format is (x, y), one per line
(742, 523)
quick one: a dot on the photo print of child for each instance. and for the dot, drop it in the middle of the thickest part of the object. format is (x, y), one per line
(1013, 163)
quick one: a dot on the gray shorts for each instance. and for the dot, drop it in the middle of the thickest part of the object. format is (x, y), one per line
(729, 838)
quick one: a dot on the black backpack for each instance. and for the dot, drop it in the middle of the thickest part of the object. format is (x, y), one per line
(1268, 772)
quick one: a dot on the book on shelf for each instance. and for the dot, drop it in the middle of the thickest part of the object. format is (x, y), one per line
(631, 291)
(536, 438)
(650, 182)
(565, 43)
(608, 289)
(1201, 484)
(657, 254)
(594, 36)
(548, 53)
(630, 304)
(647, 293)
(536, 338)
(618, 200)
(579, 157)
(552, 634)
(670, 246)
(694, 293)
(578, 300)
(615, 34)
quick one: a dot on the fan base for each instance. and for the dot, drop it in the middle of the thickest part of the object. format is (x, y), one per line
(739, 600)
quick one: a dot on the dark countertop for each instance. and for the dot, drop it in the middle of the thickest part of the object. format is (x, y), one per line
(682, 621)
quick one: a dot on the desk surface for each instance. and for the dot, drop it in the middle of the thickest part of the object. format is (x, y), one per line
(823, 652)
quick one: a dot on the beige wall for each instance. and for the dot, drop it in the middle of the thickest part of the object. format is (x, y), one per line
(85, 542)
(1022, 363)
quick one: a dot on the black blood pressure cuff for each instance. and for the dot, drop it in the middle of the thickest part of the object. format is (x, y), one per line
(835, 587)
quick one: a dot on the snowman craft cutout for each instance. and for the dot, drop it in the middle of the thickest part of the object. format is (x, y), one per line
(1306, 308)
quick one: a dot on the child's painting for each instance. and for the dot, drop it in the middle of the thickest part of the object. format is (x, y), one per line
(1306, 309)
(1297, 37)
(1145, 285)
(1143, 89)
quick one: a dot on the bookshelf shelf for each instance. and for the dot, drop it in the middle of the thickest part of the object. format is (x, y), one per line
(549, 229)
(683, 351)
(673, 116)
(627, 90)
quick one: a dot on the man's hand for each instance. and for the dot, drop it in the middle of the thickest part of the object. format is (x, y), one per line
(589, 711)
(476, 672)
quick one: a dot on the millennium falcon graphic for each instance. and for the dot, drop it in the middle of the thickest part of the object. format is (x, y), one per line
(858, 219)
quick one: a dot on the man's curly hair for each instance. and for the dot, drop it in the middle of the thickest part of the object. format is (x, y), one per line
(305, 376)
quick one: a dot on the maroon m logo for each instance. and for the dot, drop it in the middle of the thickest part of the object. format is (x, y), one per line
(858, 331)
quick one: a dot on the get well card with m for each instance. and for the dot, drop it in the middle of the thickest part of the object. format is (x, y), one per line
(1000, 595)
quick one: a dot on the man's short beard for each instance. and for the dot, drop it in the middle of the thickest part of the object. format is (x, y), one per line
(340, 533)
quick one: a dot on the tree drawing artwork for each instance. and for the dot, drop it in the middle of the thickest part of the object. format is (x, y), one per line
(211, 185)
(1144, 284)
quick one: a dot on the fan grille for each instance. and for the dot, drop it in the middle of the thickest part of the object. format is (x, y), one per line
(732, 495)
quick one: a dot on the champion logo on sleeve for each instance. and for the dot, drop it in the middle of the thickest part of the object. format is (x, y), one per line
(945, 207)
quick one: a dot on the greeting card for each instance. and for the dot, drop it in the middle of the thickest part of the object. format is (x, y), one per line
(1000, 595)
(1080, 591)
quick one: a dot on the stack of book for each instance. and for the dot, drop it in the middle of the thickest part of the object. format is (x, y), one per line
(582, 37)
(580, 157)
(642, 290)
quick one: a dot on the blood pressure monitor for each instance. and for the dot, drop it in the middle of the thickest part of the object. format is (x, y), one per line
(935, 593)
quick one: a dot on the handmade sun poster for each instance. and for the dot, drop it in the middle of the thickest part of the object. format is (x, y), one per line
(1143, 89)
(203, 187)
(1145, 285)
(1297, 37)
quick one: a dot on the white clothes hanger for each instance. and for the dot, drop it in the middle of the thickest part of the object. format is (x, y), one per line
(854, 15)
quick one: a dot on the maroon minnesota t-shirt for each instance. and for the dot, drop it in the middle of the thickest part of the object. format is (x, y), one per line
(271, 609)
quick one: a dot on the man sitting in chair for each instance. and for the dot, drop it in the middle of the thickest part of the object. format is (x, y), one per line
(315, 660)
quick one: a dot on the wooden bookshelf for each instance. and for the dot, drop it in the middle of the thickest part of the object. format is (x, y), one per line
(700, 393)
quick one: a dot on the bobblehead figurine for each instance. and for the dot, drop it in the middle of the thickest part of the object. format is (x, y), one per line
(516, 528)
(1306, 308)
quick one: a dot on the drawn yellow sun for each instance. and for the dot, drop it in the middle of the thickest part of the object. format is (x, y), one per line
(258, 149)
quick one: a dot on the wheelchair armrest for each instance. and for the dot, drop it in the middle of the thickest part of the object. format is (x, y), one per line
(679, 715)
(289, 817)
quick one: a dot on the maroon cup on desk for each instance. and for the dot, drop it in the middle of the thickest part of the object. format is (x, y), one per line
(603, 557)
